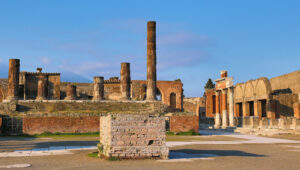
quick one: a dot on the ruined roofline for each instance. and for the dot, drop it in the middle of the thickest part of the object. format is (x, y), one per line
(36, 73)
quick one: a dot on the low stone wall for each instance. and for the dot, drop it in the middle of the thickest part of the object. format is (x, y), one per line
(184, 123)
(88, 106)
(265, 126)
(65, 124)
(132, 136)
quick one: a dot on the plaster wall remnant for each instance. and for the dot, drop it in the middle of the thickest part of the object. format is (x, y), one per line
(42, 87)
(125, 81)
(98, 93)
(133, 136)
(71, 92)
(13, 79)
(151, 60)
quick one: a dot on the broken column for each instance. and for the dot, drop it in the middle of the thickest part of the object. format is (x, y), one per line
(151, 60)
(71, 92)
(98, 88)
(217, 116)
(125, 81)
(42, 87)
(13, 79)
(231, 107)
(224, 109)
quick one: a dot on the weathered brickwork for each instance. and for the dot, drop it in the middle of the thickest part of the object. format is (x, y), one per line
(62, 124)
(0, 125)
(195, 105)
(296, 108)
(133, 136)
(184, 123)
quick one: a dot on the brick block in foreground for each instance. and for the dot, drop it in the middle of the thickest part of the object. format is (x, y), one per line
(184, 123)
(129, 136)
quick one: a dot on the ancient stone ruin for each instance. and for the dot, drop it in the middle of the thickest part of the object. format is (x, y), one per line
(133, 136)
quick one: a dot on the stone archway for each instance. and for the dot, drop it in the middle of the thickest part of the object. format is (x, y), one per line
(173, 100)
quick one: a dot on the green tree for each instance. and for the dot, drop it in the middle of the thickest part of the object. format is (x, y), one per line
(209, 84)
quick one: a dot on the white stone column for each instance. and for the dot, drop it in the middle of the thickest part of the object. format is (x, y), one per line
(231, 107)
(224, 109)
(217, 116)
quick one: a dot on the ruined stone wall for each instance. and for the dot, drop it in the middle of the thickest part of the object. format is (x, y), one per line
(133, 136)
(29, 83)
(287, 81)
(84, 90)
(284, 104)
(184, 123)
(194, 105)
(62, 124)
(34, 117)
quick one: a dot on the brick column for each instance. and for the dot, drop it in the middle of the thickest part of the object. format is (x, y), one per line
(271, 105)
(42, 87)
(71, 92)
(151, 60)
(224, 109)
(231, 107)
(13, 79)
(98, 92)
(296, 107)
(217, 116)
(125, 81)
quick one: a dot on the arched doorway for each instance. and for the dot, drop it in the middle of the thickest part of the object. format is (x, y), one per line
(173, 100)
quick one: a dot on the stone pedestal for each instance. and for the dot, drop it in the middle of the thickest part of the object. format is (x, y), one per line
(151, 60)
(13, 79)
(71, 92)
(42, 88)
(98, 93)
(130, 136)
(125, 81)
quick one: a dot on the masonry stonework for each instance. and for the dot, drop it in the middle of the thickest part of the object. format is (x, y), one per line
(125, 81)
(128, 136)
(184, 123)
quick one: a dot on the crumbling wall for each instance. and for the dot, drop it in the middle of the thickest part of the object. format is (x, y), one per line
(195, 105)
(287, 81)
(128, 136)
(284, 104)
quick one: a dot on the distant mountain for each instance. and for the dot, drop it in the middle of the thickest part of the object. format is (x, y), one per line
(72, 77)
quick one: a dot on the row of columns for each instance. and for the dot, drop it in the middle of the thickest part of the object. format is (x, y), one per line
(222, 116)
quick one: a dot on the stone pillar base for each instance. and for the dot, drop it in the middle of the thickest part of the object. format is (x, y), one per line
(231, 120)
(224, 119)
(217, 121)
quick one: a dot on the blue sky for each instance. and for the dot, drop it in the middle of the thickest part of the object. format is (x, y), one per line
(195, 39)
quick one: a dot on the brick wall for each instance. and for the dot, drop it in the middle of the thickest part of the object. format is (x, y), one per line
(38, 125)
(297, 110)
(184, 123)
(0, 125)
(209, 103)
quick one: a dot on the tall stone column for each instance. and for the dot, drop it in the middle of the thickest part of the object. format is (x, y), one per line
(71, 92)
(151, 60)
(125, 81)
(224, 109)
(98, 88)
(217, 116)
(231, 107)
(13, 79)
(42, 87)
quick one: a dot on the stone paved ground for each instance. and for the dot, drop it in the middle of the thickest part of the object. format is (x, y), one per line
(266, 154)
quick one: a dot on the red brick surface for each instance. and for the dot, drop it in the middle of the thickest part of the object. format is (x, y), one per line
(184, 123)
(297, 110)
(38, 125)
